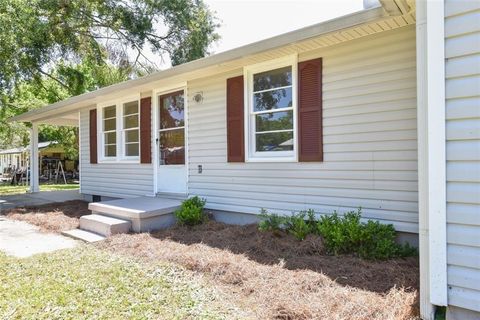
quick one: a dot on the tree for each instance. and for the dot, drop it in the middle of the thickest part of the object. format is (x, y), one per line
(54, 49)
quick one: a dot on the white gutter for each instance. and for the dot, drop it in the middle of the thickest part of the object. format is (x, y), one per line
(326, 27)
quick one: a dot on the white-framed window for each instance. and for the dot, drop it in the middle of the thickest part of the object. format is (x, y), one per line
(271, 110)
(119, 135)
(109, 131)
(131, 129)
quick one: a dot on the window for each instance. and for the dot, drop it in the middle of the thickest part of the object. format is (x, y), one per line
(110, 131)
(172, 129)
(131, 129)
(271, 112)
(120, 134)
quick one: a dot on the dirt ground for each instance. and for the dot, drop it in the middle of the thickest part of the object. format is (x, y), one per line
(267, 276)
(52, 217)
(278, 277)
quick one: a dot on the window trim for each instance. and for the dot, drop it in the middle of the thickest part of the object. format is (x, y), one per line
(120, 131)
(248, 72)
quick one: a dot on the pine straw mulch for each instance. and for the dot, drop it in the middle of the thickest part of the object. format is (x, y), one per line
(277, 277)
(52, 217)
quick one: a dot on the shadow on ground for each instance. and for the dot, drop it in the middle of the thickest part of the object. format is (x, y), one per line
(270, 249)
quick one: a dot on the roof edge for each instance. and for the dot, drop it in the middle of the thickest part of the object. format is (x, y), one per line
(328, 26)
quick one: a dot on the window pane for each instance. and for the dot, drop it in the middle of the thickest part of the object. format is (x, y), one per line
(131, 150)
(111, 150)
(172, 147)
(130, 122)
(109, 112)
(109, 124)
(130, 107)
(274, 99)
(110, 137)
(275, 141)
(272, 79)
(131, 136)
(172, 112)
(274, 121)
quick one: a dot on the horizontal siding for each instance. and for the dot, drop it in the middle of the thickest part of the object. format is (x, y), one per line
(370, 147)
(119, 180)
(462, 48)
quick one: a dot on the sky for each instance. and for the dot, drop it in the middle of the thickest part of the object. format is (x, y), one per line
(247, 21)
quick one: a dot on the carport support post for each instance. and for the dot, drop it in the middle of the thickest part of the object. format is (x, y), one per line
(34, 165)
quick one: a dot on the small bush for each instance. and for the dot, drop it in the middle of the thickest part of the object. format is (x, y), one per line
(271, 222)
(299, 226)
(341, 235)
(371, 240)
(191, 212)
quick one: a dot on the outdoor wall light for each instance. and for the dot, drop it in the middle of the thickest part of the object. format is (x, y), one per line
(198, 97)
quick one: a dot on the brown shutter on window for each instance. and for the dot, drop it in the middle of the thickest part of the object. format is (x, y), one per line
(93, 136)
(310, 135)
(145, 130)
(235, 120)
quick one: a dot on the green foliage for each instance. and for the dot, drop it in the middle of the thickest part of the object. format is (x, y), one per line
(370, 240)
(271, 222)
(191, 212)
(341, 235)
(51, 50)
(301, 224)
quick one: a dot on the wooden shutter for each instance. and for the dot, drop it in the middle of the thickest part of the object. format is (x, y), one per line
(93, 136)
(146, 130)
(310, 135)
(235, 120)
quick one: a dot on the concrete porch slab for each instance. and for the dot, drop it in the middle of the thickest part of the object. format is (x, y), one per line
(141, 207)
(145, 213)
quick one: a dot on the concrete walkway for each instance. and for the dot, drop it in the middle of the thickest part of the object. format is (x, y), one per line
(21, 239)
(39, 198)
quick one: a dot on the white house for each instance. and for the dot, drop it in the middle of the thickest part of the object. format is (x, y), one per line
(378, 109)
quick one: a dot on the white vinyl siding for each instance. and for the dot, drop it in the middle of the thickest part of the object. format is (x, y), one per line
(114, 179)
(370, 147)
(462, 50)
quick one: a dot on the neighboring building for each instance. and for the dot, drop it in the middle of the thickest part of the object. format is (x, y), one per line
(379, 109)
(17, 159)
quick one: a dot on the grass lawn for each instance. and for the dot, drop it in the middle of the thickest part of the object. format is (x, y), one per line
(88, 283)
(6, 189)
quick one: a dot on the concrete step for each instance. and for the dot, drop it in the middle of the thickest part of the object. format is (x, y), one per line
(103, 225)
(83, 235)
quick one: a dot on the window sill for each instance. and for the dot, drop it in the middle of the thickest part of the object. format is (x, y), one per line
(119, 161)
(271, 159)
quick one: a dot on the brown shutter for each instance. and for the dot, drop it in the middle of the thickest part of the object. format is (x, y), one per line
(145, 130)
(235, 119)
(93, 136)
(310, 135)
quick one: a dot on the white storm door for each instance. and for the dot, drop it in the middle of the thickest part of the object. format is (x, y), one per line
(172, 171)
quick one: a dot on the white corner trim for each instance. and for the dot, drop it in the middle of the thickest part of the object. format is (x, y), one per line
(437, 221)
(431, 156)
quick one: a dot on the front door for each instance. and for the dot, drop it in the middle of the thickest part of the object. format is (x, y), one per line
(172, 172)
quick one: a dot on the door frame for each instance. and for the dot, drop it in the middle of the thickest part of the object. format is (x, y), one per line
(156, 128)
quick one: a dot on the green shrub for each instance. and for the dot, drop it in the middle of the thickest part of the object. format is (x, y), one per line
(271, 222)
(341, 235)
(191, 212)
(301, 224)
(371, 240)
